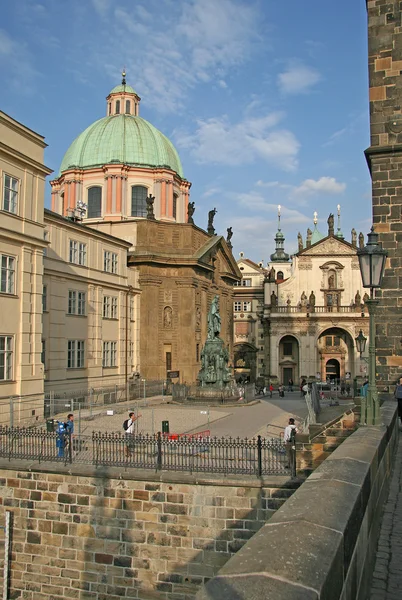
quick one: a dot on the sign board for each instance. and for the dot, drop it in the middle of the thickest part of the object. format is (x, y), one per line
(173, 374)
(348, 374)
(203, 412)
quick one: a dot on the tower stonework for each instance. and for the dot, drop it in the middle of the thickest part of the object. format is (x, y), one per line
(384, 157)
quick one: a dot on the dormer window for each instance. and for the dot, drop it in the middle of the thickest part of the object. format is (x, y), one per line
(128, 107)
(117, 111)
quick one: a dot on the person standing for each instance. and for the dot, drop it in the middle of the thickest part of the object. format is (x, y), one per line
(289, 437)
(398, 397)
(302, 384)
(290, 385)
(271, 389)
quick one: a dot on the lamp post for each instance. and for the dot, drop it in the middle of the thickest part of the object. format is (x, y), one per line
(372, 263)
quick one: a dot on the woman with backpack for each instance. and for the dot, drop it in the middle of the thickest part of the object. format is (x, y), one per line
(398, 397)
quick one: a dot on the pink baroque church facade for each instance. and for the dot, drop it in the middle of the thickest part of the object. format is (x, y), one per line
(116, 163)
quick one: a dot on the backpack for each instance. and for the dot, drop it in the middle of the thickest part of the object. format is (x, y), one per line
(61, 428)
(398, 392)
(125, 424)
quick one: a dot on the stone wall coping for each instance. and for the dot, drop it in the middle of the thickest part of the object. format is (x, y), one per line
(307, 547)
(132, 474)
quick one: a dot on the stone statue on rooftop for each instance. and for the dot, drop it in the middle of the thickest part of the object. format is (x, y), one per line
(211, 215)
(150, 207)
(190, 212)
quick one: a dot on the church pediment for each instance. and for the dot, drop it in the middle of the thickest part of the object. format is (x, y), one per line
(216, 249)
(330, 246)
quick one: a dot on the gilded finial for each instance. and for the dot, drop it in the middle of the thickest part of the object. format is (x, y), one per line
(123, 74)
(315, 217)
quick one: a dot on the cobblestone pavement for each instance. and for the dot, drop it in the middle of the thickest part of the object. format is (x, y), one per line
(387, 576)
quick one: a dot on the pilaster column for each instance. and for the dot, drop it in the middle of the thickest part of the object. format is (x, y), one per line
(163, 199)
(119, 194)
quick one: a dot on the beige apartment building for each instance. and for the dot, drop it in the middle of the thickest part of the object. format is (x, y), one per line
(22, 176)
(90, 308)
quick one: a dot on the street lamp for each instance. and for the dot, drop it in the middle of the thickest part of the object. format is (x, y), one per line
(361, 343)
(372, 263)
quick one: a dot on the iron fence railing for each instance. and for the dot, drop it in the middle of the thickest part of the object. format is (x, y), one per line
(160, 452)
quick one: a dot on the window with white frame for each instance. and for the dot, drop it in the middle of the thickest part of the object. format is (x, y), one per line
(44, 298)
(7, 274)
(109, 354)
(76, 303)
(78, 253)
(10, 194)
(109, 307)
(75, 354)
(245, 282)
(110, 262)
(6, 357)
(242, 306)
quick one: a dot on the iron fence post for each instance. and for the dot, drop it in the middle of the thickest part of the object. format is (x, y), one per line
(70, 447)
(159, 456)
(259, 455)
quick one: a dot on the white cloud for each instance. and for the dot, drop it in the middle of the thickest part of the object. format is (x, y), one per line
(218, 141)
(192, 42)
(324, 185)
(101, 6)
(6, 44)
(16, 62)
(298, 79)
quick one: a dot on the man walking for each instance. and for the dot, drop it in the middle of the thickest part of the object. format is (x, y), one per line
(289, 437)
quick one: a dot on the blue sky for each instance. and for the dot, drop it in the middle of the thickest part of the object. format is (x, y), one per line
(266, 101)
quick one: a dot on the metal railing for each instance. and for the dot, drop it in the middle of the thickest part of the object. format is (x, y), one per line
(186, 453)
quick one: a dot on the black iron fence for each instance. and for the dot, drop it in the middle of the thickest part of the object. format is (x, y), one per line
(235, 456)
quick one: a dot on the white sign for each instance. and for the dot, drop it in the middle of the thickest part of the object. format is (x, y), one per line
(203, 412)
(110, 413)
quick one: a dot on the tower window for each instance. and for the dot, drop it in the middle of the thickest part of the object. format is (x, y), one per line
(139, 201)
(117, 107)
(94, 202)
(128, 107)
(175, 196)
(280, 276)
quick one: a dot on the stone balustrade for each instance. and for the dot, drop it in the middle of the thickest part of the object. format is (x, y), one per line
(320, 545)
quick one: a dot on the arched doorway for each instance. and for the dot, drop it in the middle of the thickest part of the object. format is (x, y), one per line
(336, 353)
(288, 367)
(245, 362)
(332, 370)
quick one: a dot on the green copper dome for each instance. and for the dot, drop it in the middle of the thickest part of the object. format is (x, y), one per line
(123, 88)
(124, 139)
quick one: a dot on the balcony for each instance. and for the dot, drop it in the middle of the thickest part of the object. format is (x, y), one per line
(312, 310)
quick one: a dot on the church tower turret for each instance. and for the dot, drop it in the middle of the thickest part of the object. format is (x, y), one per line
(279, 255)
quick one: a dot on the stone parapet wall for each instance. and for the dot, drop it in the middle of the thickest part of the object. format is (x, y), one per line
(90, 535)
(320, 544)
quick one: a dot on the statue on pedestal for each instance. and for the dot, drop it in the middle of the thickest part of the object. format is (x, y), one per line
(300, 241)
(211, 215)
(214, 319)
(190, 212)
(150, 207)
(331, 224)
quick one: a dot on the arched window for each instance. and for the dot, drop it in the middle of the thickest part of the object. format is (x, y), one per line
(117, 107)
(139, 201)
(94, 202)
(279, 276)
(128, 107)
(175, 196)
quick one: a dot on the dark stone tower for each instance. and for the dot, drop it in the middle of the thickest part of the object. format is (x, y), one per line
(384, 157)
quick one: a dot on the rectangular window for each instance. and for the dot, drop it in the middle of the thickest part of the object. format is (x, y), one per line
(76, 303)
(109, 262)
(109, 354)
(6, 358)
(246, 282)
(10, 194)
(328, 341)
(75, 354)
(237, 306)
(109, 307)
(44, 298)
(78, 253)
(246, 306)
(7, 275)
(287, 348)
